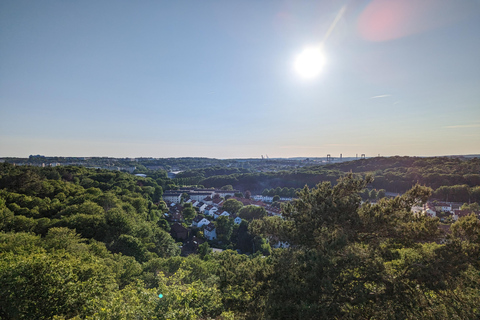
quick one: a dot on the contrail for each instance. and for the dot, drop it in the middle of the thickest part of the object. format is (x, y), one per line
(334, 23)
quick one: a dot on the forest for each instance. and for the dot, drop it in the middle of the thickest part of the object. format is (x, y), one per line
(452, 179)
(80, 243)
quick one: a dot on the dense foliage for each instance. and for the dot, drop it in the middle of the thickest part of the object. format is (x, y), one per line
(452, 179)
(89, 244)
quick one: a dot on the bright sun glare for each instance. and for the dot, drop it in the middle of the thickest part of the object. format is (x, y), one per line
(310, 62)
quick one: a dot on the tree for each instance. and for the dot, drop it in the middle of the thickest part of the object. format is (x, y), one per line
(467, 228)
(204, 250)
(131, 246)
(277, 191)
(184, 197)
(41, 286)
(232, 206)
(261, 245)
(373, 261)
(381, 194)
(248, 194)
(188, 213)
(276, 198)
(224, 227)
(227, 187)
(252, 212)
(157, 195)
(472, 207)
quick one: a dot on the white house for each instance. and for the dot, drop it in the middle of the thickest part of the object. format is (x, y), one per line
(217, 202)
(172, 196)
(199, 196)
(207, 209)
(219, 213)
(237, 220)
(210, 232)
(223, 193)
(430, 212)
(225, 214)
(216, 214)
(443, 206)
(199, 222)
(208, 200)
(210, 210)
(201, 206)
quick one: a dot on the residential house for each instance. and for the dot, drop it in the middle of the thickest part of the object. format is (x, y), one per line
(217, 202)
(201, 206)
(172, 196)
(225, 214)
(179, 232)
(223, 193)
(199, 222)
(219, 213)
(210, 232)
(273, 211)
(191, 246)
(208, 200)
(443, 206)
(457, 214)
(208, 210)
(199, 196)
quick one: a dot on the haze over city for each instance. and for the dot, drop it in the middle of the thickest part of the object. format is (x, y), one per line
(240, 78)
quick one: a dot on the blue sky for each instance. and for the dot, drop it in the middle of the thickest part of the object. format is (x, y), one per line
(216, 78)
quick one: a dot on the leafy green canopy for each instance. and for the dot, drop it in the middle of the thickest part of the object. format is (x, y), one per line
(346, 260)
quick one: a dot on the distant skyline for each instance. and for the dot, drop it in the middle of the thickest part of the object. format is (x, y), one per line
(217, 78)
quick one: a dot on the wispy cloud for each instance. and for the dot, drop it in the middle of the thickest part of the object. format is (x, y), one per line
(464, 126)
(381, 96)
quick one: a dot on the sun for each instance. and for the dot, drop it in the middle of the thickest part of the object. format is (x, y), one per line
(310, 62)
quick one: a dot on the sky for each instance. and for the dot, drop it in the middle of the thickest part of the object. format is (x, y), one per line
(217, 78)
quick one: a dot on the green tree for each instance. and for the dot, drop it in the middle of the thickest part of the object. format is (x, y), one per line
(232, 206)
(251, 212)
(188, 213)
(204, 250)
(381, 194)
(472, 207)
(40, 285)
(224, 228)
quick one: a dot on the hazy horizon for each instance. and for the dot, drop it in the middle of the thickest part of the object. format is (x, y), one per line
(334, 156)
(217, 79)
